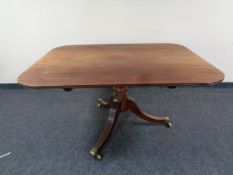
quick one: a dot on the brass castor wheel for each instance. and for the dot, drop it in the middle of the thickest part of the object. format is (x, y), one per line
(101, 103)
(93, 153)
(98, 105)
(168, 123)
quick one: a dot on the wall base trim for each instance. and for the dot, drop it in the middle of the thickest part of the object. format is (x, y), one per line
(220, 85)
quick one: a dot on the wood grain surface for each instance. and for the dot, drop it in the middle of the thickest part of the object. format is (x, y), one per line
(120, 65)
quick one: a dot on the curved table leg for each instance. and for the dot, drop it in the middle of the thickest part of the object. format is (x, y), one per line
(132, 106)
(112, 118)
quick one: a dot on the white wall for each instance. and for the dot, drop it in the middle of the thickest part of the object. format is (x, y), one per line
(30, 28)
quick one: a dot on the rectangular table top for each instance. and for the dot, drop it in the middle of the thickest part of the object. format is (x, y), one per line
(120, 65)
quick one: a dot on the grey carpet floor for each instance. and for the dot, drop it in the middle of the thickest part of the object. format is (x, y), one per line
(50, 132)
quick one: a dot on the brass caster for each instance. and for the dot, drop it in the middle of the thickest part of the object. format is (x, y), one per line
(94, 154)
(168, 122)
(101, 103)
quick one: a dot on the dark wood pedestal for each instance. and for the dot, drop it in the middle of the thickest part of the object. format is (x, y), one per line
(120, 102)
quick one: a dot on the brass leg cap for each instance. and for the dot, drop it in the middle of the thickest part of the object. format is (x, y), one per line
(100, 102)
(167, 122)
(94, 154)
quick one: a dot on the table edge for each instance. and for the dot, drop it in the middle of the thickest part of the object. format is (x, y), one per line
(120, 85)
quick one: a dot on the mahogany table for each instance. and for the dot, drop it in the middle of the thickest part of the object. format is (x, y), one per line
(120, 66)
